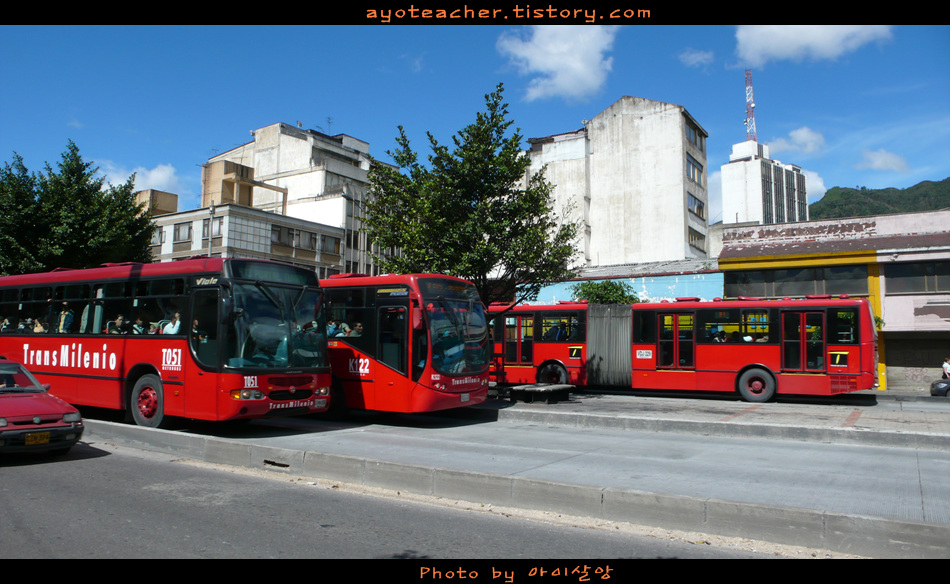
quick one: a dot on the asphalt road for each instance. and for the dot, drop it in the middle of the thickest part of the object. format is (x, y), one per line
(861, 476)
(109, 502)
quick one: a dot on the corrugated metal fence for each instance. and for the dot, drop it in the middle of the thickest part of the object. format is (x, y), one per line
(609, 328)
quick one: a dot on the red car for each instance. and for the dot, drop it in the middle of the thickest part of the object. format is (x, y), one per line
(31, 418)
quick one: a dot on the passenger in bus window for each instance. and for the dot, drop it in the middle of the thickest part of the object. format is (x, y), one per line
(357, 330)
(172, 327)
(39, 326)
(196, 334)
(5, 325)
(138, 327)
(117, 326)
(64, 320)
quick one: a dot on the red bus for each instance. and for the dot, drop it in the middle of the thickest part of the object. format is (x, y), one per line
(756, 348)
(207, 339)
(406, 343)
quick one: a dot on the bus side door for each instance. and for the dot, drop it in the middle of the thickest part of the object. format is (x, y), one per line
(803, 342)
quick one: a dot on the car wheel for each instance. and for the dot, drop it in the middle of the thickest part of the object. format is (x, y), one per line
(756, 385)
(147, 402)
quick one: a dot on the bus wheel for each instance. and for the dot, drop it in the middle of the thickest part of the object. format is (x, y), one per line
(552, 373)
(756, 385)
(147, 402)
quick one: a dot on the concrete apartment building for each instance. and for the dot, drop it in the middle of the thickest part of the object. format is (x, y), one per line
(233, 230)
(302, 174)
(634, 179)
(756, 189)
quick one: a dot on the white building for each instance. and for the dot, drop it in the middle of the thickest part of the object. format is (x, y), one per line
(635, 181)
(236, 231)
(756, 189)
(307, 175)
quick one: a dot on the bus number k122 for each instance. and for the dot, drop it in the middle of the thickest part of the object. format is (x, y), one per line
(359, 366)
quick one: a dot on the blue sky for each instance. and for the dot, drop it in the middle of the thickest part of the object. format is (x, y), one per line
(853, 106)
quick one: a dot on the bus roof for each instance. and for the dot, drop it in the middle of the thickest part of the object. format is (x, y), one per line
(694, 302)
(127, 270)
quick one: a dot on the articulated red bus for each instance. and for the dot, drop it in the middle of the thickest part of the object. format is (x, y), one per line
(757, 348)
(208, 339)
(406, 343)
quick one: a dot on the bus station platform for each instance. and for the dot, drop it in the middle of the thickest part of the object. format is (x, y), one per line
(863, 474)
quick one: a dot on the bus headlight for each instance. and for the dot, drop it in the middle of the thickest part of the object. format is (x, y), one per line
(322, 391)
(247, 394)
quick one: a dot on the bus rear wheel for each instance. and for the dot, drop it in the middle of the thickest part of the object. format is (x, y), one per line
(756, 385)
(147, 402)
(552, 373)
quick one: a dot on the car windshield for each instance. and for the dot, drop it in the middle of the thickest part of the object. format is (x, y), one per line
(458, 329)
(276, 327)
(15, 379)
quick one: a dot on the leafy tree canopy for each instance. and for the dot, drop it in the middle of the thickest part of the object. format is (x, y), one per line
(67, 217)
(471, 213)
(605, 292)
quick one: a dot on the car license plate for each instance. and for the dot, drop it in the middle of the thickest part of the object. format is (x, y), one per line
(464, 397)
(37, 438)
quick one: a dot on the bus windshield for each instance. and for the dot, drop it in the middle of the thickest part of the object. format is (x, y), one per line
(276, 327)
(458, 328)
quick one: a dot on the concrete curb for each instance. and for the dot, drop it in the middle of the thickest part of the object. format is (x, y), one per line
(854, 436)
(852, 534)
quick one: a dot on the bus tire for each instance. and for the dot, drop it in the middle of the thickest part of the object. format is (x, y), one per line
(756, 385)
(552, 373)
(147, 402)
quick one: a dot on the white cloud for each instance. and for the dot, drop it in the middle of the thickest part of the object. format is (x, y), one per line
(163, 177)
(814, 185)
(803, 140)
(882, 160)
(566, 61)
(759, 44)
(695, 58)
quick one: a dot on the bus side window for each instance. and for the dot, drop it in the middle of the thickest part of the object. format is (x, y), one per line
(644, 326)
(843, 325)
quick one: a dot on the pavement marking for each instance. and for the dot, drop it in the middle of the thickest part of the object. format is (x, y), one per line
(736, 415)
(852, 419)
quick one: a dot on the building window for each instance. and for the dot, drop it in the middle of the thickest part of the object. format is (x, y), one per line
(695, 137)
(797, 282)
(182, 232)
(917, 278)
(697, 239)
(696, 207)
(215, 228)
(158, 235)
(694, 170)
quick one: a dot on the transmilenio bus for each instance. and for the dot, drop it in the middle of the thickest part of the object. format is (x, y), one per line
(757, 348)
(207, 338)
(406, 343)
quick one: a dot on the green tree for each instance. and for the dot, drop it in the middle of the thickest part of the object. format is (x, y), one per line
(471, 213)
(18, 246)
(605, 292)
(70, 218)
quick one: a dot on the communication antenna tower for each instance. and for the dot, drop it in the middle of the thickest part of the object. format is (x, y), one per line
(749, 108)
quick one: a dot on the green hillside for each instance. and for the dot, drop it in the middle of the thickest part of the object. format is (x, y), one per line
(841, 202)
